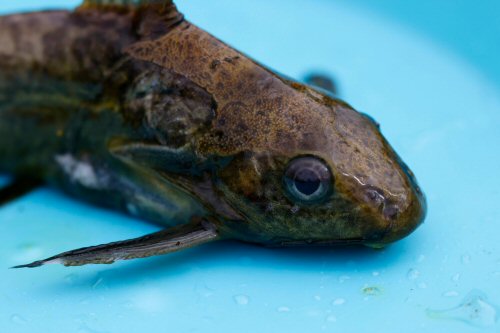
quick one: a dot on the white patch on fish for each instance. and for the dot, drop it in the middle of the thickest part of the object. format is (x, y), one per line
(81, 172)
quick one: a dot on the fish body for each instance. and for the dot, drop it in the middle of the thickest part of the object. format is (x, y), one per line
(63, 99)
(132, 107)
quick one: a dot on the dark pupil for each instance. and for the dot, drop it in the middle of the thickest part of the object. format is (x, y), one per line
(306, 181)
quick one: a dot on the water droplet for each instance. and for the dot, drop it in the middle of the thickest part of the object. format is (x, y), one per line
(149, 300)
(128, 305)
(465, 259)
(338, 301)
(317, 297)
(372, 290)
(422, 285)
(420, 258)
(331, 318)
(241, 299)
(203, 291)
(474, 310)
(455, 277)
(84, 328)
(313, 313)
(450, 293)
(283, 309)
(375, 273)
(70, 278)
(85, 301)
(412, 274)
(344, 278)
(18, 319)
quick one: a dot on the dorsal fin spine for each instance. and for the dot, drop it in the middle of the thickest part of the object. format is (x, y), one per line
(125, 3)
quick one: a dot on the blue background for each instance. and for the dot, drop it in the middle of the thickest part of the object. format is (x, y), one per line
(427, 71)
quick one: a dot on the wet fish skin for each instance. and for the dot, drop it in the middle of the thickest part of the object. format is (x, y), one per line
(134, 108)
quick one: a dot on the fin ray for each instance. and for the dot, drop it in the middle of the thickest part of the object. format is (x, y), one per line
(161, 242)
(124, 2)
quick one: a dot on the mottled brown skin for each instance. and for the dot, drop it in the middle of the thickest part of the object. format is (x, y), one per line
(174, 124)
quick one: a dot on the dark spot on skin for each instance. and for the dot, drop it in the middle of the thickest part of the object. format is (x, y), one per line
(242, 127)
(140, 94)
(221, 121)
(231, 60)
(214, 64)
(218, 134)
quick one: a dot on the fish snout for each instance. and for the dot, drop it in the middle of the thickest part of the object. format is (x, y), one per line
(396, 215)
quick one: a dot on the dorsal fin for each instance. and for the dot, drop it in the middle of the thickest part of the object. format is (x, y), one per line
(154, 18)
(93, 3)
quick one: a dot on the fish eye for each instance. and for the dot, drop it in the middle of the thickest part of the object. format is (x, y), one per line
(308, 179)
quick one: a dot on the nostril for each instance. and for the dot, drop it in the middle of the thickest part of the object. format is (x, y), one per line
(391, 212)
(374, 196)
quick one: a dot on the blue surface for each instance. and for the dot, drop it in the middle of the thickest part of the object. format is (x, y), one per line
(438, 106)
(469, 28)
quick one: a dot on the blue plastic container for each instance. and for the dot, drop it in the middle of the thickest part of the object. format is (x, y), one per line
(427, 71)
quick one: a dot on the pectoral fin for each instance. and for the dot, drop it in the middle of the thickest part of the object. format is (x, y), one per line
(154, 156)
(157, 243)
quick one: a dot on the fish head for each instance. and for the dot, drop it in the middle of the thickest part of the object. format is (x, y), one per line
(292, 164)
(312, 170)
